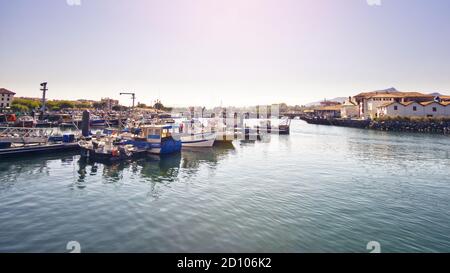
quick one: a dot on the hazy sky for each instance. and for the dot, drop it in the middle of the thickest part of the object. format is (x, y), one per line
(235, 52)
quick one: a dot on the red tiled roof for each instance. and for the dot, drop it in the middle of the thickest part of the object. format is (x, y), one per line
(391, 94)
(6, 91)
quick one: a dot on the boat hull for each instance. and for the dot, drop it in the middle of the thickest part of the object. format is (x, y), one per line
(198, 143)
(165, 148)
(108, 157)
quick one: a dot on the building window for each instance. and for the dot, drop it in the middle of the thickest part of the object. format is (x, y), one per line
(395, 107)
(414, 108)
(434, 109)
(1, 105)
(7, 105)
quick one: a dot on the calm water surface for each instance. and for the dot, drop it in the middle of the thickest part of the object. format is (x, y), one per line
(321, 189)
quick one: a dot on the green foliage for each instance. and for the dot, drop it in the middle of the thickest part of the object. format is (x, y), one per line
(82, 105)
(159, 106)
(65, 104)
(99, 105)
(54, 105)
(119, 108)
(20, 108)
(30, 104)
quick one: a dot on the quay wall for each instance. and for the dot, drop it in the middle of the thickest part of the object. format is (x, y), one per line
(420, 126)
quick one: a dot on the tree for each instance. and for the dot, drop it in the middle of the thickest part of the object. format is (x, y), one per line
(141, 105)
(119, 108)
(30, 104)
(20, 108)
(82, 105)
(99, 105)
(158, 105)
(52, 105)
(65, 104)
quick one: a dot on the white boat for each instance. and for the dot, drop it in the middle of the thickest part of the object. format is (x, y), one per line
(199, 140)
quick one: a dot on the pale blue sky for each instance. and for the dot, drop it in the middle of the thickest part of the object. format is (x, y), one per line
(238, 52)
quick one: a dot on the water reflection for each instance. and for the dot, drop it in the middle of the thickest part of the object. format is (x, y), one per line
(382, 146)
(156, 169)
(193, 159)
(30, 166)
(160, 168)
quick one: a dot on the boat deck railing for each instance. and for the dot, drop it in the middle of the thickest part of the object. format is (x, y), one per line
(24, 132)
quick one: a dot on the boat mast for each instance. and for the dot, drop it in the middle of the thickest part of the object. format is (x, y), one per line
(44, 91)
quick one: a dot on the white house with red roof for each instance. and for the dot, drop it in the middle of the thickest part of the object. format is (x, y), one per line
(414, 109)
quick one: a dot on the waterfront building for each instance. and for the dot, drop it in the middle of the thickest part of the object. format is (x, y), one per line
(332, 111)
(369, 102)
(6, 98)
(349, 109)
(444, 98)
(414, 109)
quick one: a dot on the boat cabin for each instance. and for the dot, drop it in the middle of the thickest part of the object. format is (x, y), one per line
(158, 133)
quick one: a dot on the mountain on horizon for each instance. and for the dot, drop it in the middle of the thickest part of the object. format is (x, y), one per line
(337, 99)
(391, 90)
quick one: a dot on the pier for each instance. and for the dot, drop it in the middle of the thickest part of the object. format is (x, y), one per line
(38, 149)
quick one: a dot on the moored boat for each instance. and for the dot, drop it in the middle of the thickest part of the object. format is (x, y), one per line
(199, 140)
(25, 121)
(97, 121)
(158, 139)
(108, 150)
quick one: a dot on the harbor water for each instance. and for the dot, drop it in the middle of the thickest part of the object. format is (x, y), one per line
(319, 189)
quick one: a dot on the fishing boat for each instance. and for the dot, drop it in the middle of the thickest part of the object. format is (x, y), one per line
(199, 140)
(97, 121)
(165, 118)
(25, 121)
(226, 136)
(196, 135)
(158, 139)
(7, 119)
(283, 127)
(109, 149)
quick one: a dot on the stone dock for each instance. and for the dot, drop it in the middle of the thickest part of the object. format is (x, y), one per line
(430, 126)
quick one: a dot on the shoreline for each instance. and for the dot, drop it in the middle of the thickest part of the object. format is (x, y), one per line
(394, 125)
